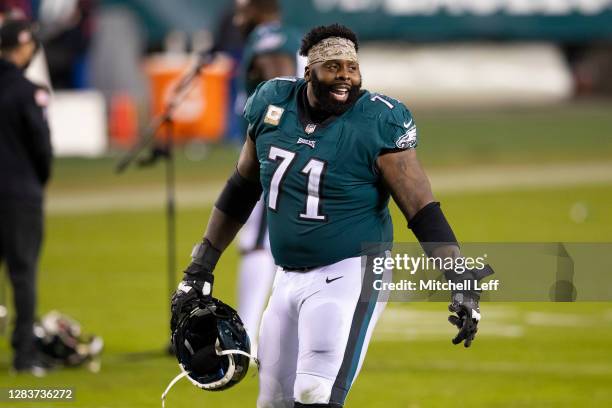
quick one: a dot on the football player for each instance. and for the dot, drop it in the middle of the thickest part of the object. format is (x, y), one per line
(328, 156)
(271, 50)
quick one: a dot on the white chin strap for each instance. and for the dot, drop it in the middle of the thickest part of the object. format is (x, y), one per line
(216, 384)
(174, 381)
(244, 353)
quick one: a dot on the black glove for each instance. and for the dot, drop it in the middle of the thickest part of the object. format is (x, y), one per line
(197, 281)
(464, 303)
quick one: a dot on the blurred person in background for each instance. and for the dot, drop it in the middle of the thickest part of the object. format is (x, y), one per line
(38, 69)
(270, 51)
(25, 167)
(66, 29)
(228, 41)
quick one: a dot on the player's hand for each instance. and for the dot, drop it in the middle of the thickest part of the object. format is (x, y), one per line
(188, 294)
(466, 317)
(197, 281)
(464, 304)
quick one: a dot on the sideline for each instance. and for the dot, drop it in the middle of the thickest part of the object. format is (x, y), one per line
(445, 181)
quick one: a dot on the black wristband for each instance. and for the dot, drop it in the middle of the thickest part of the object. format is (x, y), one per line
(239, 197)
(430, 227)
(204, 258)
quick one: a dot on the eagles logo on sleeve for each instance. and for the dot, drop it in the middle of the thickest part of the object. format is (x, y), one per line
(409, 139)
(396, 127)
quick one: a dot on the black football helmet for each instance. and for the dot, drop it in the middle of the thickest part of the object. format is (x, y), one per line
(212, 346)
(60, 342)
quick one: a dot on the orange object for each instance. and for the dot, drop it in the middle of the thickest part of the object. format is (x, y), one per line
(123, 120)
(202, 111)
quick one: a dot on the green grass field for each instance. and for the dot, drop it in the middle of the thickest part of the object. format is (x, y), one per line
(107, 268)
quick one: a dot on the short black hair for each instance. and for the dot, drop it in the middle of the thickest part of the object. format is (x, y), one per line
(320, 33)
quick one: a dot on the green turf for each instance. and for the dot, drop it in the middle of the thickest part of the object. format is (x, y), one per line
(108, 270)
(565, 133)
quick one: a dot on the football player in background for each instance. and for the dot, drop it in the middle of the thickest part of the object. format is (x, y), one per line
(328, 156)
(271, 50)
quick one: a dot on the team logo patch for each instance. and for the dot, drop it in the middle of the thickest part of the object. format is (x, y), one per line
(307, 142)
(310, 128)
(273, 115)
(409, 139)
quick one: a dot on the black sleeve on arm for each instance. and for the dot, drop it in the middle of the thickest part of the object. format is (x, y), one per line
(239, 197)
(431, 228)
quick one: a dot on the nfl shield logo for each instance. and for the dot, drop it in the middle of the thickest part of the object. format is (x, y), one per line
(310, 128)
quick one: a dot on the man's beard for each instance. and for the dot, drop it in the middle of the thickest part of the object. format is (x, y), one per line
(327, 103)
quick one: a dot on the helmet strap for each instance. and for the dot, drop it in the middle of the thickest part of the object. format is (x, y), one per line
(185, 373)
(174, 381)
(244, 353)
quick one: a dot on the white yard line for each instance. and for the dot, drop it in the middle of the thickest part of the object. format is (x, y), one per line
(135, 199)
(561, 319)
(406, 323)
(472, 179)
(524, 177)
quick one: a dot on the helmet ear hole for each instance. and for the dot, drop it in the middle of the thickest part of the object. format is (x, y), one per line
(206, 361)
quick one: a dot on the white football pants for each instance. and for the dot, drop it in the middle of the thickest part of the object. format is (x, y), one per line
(315, 332)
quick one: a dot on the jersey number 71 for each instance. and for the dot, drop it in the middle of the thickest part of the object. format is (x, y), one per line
(314, 170)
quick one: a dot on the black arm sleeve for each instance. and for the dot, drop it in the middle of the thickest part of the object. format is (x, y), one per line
(430, 227)
(239, 197)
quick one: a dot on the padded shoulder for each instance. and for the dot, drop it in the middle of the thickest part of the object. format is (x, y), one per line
(396, 126)
(279, 89)
(275, 91)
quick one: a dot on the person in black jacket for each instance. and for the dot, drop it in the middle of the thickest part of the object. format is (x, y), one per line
(25, 166)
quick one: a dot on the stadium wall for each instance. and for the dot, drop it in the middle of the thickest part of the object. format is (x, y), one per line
(468, 74)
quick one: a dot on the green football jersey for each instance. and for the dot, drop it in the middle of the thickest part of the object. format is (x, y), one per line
(324, 196)
(270, 38)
